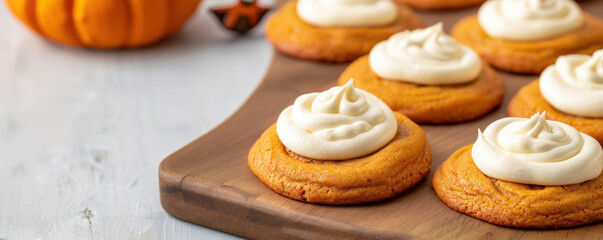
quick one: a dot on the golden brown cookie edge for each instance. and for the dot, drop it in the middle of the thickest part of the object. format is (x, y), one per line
(465, 110)
(511, 212)
(531, 61)
(529, 101)
(273, 167)
(285, 29)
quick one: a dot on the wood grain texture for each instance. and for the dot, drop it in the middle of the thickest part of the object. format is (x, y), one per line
(208, 182)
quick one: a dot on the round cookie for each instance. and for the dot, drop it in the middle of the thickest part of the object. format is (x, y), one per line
(399, 165)
(464, 188)
(529, 57)
(441, 4)
(291, 35)
(529, 100)
(430, 104)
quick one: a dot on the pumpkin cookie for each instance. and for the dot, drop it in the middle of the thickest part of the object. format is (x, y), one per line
(529, 44)
(441, 4)
(327, 152)
(439, 90)
(546, 189)
(570, 91)
(529, 100)
(344, 36)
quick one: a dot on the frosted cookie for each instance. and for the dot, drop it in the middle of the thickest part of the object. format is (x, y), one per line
(570, 91)
(341, 146)
(428, 76)
(336, 30)
(525, 36)
(526, 173)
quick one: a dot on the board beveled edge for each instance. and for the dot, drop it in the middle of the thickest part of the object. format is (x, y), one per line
(253, 221)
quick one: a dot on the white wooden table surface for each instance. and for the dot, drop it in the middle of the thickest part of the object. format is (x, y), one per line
(82, 132)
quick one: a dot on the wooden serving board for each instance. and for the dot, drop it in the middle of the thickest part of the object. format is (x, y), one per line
(208, 182)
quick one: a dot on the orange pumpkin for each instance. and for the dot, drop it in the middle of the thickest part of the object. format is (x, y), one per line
(104, 23)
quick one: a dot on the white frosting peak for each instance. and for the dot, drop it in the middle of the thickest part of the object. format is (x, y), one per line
(574, 84)
(525, 20)
(347, 13)
(537, 151)
(590, 72)
(340, 123)
(425, 56)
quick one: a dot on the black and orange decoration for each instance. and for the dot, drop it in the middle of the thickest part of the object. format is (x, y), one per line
(241, 17)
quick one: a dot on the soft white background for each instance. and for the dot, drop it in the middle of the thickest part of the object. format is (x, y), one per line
(82, 132)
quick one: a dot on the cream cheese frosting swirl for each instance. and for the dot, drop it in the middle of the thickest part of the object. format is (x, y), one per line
(574, 84)
(425, 56)
(525, 20)
(347, 13)
(338, 124)
(537, 151)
